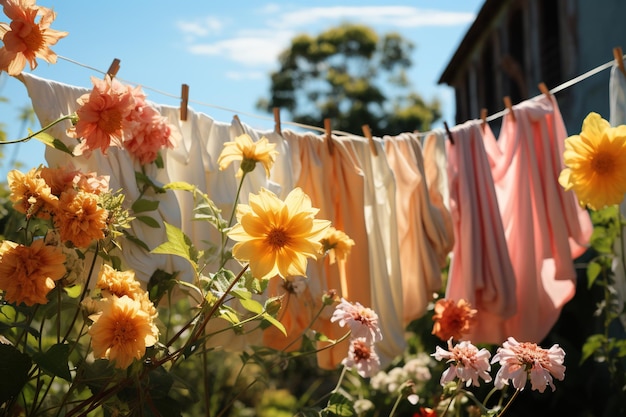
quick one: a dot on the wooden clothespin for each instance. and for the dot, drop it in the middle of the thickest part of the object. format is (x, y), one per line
(184, 102)
(544, 90)
(329, 136)
(483, 117)
(509, 106)
(113, 68)
(619, 58)
(367, 132)
(449, 133)
(277, 128)
(238, 120)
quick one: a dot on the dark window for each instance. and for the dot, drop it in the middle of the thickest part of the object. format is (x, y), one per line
(549, 43)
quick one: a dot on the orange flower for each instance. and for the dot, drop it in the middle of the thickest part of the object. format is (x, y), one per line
(27, 273)
(118, 283)
(79, 218)
(30, 194)
(122, 331)
(337, 244)
(249, 153)
(102, 116)
(24, 39)
(452, 319)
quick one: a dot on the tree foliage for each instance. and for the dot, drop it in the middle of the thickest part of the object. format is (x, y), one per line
(353, 76)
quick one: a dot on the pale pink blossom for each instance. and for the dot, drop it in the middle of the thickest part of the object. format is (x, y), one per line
(363, 357)
(519, 361)
(467, 363)
(362, 321)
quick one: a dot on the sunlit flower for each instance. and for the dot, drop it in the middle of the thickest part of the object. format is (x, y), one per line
(361, 405)
(118, 283)
(520, 361)
(102, 116)
(80, 219)
(363, 357)
(595, 162)
(362, 321)
(28, 273)
(249, 153)
(452, 319)
(337, 244)
(30, 194)
(122, 331)
(425, 412)
(466, 363)
(67, 177)
(277, 237)
(24, 39)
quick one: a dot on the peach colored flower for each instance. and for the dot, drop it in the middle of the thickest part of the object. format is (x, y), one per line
(337, 244)
(362, 321)
(363, 357)
(519, 361)
(452, 319)
(466, 363)
(67, 177)
(118, 283)
(102, 116)
(28, 273)
(249, 153)
(277, 237)
(122, 331)
(30, 194)
(24, 39)
(80, 219)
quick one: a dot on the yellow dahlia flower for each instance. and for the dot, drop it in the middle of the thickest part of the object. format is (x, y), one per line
(277, 237)
(595, 163)
(338, 244)
(249, 153)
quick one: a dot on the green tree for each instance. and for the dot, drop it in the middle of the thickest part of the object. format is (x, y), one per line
(353, 76)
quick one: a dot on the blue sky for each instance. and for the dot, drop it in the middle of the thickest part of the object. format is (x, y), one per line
(225, 50)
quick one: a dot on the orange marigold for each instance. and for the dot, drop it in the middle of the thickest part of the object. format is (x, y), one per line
(80, 219)
(452, 320)
(118, 283)
(24, 39)
(28, 273)
(31, 194)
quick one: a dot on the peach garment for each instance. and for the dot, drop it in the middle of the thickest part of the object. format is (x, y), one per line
(335, 185)
(423, 234)
(384, 251)
(480, 269)
(545, 226)
(52, 100)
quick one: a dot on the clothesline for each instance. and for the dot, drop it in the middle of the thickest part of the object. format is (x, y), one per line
(490, 118)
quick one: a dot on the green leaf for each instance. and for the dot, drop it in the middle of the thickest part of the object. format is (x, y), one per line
(591, 346)
(136, 240)
(593, 270)
(142, 205)
(177, 244)
(55, 361)
(149, 221)
(51, 141)
(339, 405)
(14, 366)
(252, 305)
(179, 185)
(272, 320)
(73, 291)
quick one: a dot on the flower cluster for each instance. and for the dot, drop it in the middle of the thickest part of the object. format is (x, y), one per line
(113, 114)
(452, 319)
(24, 39)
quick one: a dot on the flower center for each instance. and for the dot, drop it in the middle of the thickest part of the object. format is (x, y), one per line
(124, 331)
(110, 120)
(33, 39)
(361, 350)
(603, 163)
(277, 238)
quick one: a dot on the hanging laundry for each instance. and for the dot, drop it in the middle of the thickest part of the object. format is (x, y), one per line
(436, 163)
(425, 237)
(545, 226)
(480, 268)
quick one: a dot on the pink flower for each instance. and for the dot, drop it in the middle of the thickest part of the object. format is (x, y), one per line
(363, 357)
(362, 321)
(102, 116)
(518, 361)
(467, 363)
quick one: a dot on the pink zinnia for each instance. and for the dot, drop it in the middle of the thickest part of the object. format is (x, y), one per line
(518, 361)
(102, 116)
(466, 363)
(363, 357)
(362, 321)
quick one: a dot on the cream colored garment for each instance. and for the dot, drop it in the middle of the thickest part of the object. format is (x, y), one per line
(423, 233)
(436, 160)
(480, 268)
(384, 251)
(50, 101)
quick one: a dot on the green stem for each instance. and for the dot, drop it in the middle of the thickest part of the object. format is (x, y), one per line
(456, 392)
(230, 220)
(43, 129)
(395, 405)
(508, 404)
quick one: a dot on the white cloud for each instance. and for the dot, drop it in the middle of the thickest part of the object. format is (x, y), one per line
(200, 28)
(245, 75)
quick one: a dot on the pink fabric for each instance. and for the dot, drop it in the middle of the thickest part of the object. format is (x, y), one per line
(480, 271)
(545, 226)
